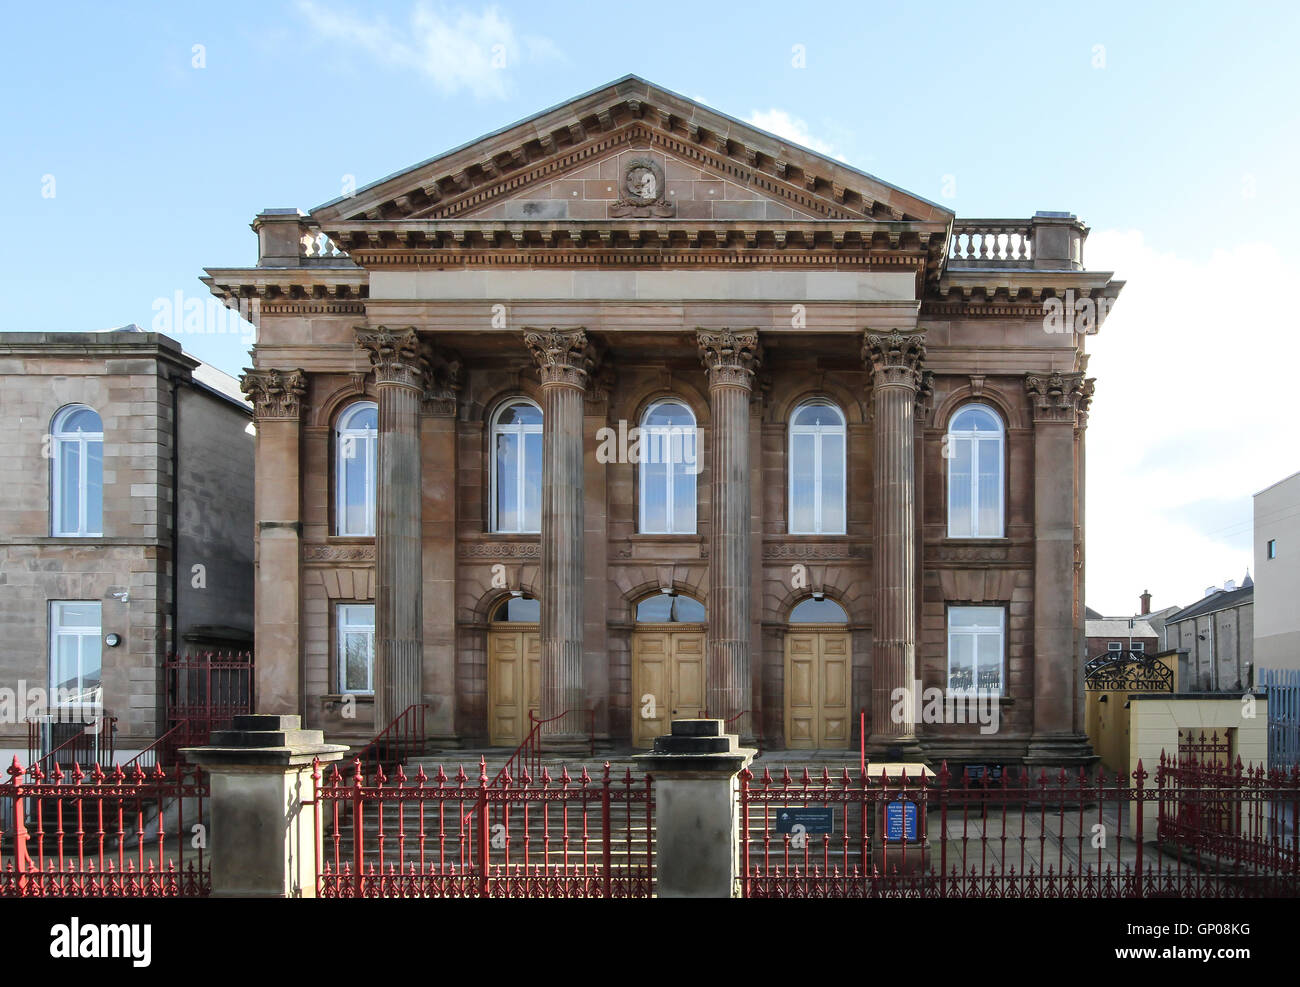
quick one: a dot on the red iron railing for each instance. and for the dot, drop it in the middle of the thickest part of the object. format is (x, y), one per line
(161, 751)
(66, 739)
(205, 692)
(103, 833)
(403, 739)
(447, 837)
(1228, 816)
(1017, 836)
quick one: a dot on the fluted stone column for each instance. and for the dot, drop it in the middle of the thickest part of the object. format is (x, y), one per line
(565, 359)
(895, 360)
(400, 377)
(277, 397)
(1057, 737)
(730, 359)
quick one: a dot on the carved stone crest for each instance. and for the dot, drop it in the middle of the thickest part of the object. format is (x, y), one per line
(642, 193)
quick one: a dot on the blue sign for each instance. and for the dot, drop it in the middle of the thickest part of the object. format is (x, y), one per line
(808, 820)
(900, 821)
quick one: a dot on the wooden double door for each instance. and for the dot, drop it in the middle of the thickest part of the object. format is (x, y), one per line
(667, 678)
(514, 683)
(818, 677)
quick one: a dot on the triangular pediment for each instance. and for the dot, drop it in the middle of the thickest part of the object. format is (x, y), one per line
(631, 150)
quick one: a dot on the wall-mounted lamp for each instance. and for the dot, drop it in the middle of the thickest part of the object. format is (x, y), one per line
(819, 595)
(112, 640)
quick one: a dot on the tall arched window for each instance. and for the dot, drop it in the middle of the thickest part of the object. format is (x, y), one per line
(77, 473)
(356, 441)
(817, 470)
(669, 461)
(974, 450)
(517, 468)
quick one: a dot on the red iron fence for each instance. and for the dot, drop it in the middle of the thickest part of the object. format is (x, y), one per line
(205, 692)
(1065, 836)
(103, 833)
(459, 837)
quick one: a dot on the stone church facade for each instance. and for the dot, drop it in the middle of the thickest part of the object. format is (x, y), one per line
(630, 410)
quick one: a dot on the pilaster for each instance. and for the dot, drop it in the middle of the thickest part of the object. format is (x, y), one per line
(277, 397)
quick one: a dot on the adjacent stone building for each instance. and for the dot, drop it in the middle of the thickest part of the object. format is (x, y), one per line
(1216, 639)
(630, 410)
(125, 526)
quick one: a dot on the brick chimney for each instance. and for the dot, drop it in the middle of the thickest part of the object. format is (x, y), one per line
(1146, 602)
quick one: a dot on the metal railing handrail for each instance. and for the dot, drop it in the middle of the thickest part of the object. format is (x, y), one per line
(154, 747)
(107, 726)
(410, 735)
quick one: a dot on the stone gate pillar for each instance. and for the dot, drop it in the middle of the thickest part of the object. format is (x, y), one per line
(400, 378)
(895, 361)
(277, 397)
(730, 359)
(565, 359)
(1057, 737)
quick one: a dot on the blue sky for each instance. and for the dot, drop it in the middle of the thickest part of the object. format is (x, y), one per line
(1174, 131)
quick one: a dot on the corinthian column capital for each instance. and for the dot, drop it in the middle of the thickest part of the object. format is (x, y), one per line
(276, 394)
(563, 356)
(894, 357)
(1059, 397)
(730, 357)
(397, 357)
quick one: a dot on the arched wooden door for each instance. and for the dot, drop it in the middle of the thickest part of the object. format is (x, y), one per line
(667, 665)
(514, 671)
(818, 677)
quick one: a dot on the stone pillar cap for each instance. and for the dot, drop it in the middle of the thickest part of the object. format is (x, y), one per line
(697, 745)
(265, 739)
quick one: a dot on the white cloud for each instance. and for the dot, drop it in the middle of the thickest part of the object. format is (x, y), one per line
(460, 51)
(1191, 417)
(781, 123)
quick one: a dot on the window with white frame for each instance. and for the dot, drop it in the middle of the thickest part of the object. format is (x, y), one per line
(1139, 647)
(975, 450)
(356, 647)
(517, 468)
(75, 654)
(356, 447)
(667, 462)
(976, 649)
(1114, 645)
(817, 470)
(77, 473)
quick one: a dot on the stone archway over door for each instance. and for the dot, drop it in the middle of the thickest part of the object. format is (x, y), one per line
(514, 682)
(667, 678)
(818, 667)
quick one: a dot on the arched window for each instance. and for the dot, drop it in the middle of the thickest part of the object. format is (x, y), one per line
(356, 441)
(669, 608)
(974, 450)
(77, 473)
(669, 462)
(517, 468)
(817, 470)
(815, 611)
(518, 610)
